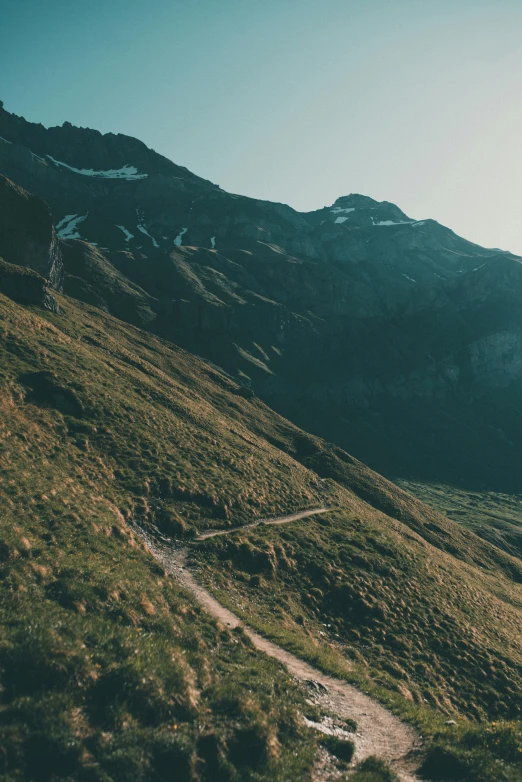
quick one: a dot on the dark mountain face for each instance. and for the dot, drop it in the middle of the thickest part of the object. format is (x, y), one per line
(27, 234)
(393, 337)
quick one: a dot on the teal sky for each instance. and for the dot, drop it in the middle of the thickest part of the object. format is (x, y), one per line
(413, 101)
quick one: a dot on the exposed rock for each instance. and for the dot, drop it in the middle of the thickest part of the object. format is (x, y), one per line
(315, 685)
(27, 234)
(25, 286)
(85, 148)
(246, 393)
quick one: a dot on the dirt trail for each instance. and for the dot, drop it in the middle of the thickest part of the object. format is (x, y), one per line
(379, 732)
(302, 514)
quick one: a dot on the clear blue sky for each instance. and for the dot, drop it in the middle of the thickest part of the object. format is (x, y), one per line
(413, 101)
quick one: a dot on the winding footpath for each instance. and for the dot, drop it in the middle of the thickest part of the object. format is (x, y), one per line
(302, 514)
(379, 732)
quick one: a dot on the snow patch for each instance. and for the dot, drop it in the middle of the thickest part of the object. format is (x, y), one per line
(37, 157)
(126, 172)
(392, 222)
(178, 241)
(143, 229)
(478, 267)
(128, 235)
(409, 278)
(66, 228)
(338, 209)
(420, 222)
(5, 140)
(213, 242)
(341, 219)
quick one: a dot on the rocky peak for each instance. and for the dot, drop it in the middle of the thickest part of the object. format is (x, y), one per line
(357, 210)
(85, 151)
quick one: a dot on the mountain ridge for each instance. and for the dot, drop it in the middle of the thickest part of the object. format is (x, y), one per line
(113, 431)
(374, 324)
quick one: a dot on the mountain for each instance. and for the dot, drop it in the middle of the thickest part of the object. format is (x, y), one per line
(109, 671)
(393, 337)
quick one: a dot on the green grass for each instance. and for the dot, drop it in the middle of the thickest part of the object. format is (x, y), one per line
(438, 631)
(161, 435)
(342, 749)
(108, 670)
(103, 425)
(490, 751)
(494, 516)
(373, 770)
(429, 635)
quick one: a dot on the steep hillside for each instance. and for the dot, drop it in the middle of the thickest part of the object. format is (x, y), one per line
(107, 669)
(100, 431)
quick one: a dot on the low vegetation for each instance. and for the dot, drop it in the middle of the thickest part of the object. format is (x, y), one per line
(340, 748)
(109, 672)
(435, 638)
(493, 515)
(107, 668)
(373, 770)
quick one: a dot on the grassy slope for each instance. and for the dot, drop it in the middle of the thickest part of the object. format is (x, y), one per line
(89, 277)
(495, 516)
(420, 625)
(108, 671)
(103, 424)
(425, 632)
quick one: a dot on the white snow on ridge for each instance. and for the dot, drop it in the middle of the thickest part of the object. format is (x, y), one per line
(341, 219)
(128, 235)
(391, 222)
(178, 241)
(409, 278)
(338, 209)
(213, 242)
(66, 228)
(126, 172)
(413, 223)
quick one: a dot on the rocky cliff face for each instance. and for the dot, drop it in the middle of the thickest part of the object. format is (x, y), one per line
(27, 234)
(394, 337)
(25, 286)
(31, 261)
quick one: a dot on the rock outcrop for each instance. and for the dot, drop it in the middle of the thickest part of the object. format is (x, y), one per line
(27, 233)
(26, 286)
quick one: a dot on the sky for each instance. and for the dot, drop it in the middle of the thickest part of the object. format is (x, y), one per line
(417, 102)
